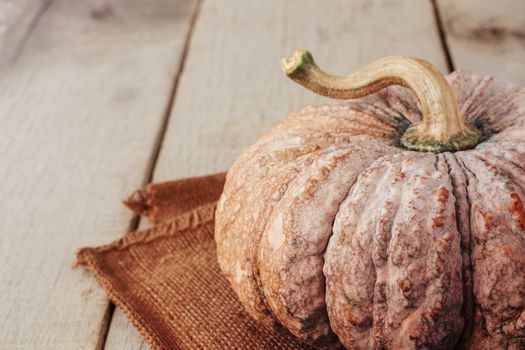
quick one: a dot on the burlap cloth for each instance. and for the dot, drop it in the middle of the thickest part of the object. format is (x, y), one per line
(166, 279)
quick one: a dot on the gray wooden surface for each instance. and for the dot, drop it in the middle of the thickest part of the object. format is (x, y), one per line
(99, 97)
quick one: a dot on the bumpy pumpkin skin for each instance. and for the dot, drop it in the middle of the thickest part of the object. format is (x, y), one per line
(329, 228)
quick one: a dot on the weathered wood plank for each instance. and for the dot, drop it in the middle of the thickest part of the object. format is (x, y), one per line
(486, 37)
(81, 109)
(17, 19)
(232, 88)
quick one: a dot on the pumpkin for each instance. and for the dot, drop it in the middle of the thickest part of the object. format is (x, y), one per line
(394, 220)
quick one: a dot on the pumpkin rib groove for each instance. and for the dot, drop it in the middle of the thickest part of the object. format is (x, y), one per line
(436, 163)
(255, 271)
(503, 171)
(487, 101)
(513, 162)
(380, 298)
(505, 168)
(389, 108)
(498, 251)
(476, 92)
(489, 157)
(441, 308)
(502, 101)
(477, 307)
(403, 107)
(459, 182)
(255, 266)
(369, 108)
(338, 296)
(380, 160)
(408, 101)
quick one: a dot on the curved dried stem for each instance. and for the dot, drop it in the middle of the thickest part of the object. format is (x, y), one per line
(442, 128)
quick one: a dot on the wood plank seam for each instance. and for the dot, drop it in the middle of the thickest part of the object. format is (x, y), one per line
(104, 326)
(484, 39)
(442, 36)
(135, 220)
(169, 106)
(38, 16)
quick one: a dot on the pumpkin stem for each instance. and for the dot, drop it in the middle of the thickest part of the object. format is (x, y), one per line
(442, 128)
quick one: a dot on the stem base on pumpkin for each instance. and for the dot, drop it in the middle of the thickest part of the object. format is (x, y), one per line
(418, 140)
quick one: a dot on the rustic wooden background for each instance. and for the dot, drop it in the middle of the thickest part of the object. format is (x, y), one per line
(100, 97)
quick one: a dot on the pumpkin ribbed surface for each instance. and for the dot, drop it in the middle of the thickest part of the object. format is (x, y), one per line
(331, 229)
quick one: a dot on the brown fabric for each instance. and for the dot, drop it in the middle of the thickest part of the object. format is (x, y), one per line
(166, 279)
(161, 202)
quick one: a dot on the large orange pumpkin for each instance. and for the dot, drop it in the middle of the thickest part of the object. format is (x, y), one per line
(393, 221)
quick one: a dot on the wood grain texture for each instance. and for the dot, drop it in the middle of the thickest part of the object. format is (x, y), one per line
(81, 109)
(232, 89)
(17, 19)
(486, 37)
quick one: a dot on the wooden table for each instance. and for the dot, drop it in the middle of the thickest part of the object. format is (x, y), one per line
(100, 97)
